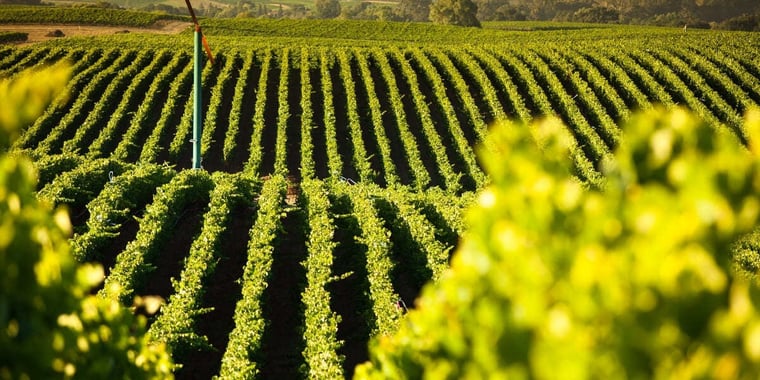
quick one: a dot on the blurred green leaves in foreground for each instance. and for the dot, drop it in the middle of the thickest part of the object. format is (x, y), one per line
(50, 325)
(640, 279)
(634, 280)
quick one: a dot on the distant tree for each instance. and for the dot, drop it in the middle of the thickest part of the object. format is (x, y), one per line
(697, 13)
(415, 10)
(745, 22)
(487, 8)
(327, 8)
(164, 8)
(372, 11)
(721, 10)
(674, 19)
(384, 13)
(596, 14)
(510, 13)
(353, 12)
(500, 10)
(298, 11)
(208, 10)
(454, 12)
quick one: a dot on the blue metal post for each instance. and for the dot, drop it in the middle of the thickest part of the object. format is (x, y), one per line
(197, 111)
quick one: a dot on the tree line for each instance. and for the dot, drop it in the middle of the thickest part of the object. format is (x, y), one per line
(717, 14)
(658, 12)
(722, 14)
(729, 14)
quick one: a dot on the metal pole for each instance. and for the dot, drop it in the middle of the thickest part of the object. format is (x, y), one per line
(197, 103)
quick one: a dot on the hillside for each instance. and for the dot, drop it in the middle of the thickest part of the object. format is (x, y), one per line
(337, 159)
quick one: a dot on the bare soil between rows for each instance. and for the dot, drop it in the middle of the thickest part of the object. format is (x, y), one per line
(42, 32)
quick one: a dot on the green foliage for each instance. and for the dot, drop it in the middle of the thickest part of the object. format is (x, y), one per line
(334, 161)
(410, 144)
(102, 118)
(353, 30)
(421, 230)
(227, 33)
(389, 169)
(138, 258)
(307, 117)
(50, 166)
(147, 111)
(254, 153)
(184, 130)
(360, 161)
(326, 8)
(150, 150)
(596, 14)
(175, 325)
(454, 12)
(23, 101)
(78, 187)
(121, 198)
(89, 16)
(237, 107)
(6, 37)
(283, 114)
(96, 85)
(386, 104)
(244, 347)
(84, 68)
(320, 322)
(49, 324)
(103, 144)
(748, 22)
(450, 118)
(414, 10)
(493, 10)
(435, 143)
(213, 109)
(633, 280)
(377, 240)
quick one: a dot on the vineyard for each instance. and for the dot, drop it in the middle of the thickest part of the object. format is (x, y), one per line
(335, 172)
(86, 16)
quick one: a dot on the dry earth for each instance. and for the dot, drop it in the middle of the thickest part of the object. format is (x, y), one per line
(39, 32)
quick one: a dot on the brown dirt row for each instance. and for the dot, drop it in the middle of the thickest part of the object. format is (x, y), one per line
(39, 32)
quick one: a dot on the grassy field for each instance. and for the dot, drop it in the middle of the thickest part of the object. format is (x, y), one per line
(338, 157)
